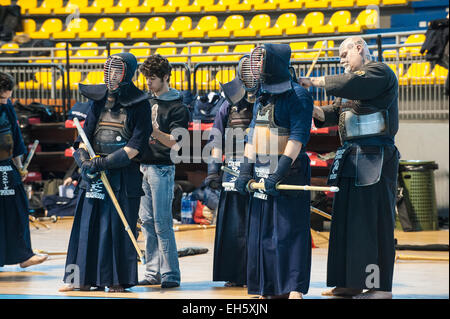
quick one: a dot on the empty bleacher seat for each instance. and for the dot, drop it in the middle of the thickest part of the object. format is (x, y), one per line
(151, 27)
(257, 23)
(202, 79)
(42, 79)
(292, 4)
(366, 19)
(183, 58)
(342, 17)
(206, 23)
(140, 53)
(125, 28)
(71, 7)
(419, 73)
(266, 5)
(295, 46)
(244, 5)
(222, 76)
(94, 77)
(284, 22)
(312, 19)
(165, 52)
(97, 7)
(440, 74)
(12, 46)
(172, 6)
(122, 6)
(5, 2)
(391, 2)
(26, 5)
(213, 49)
(222, 6)
(46, 7)
(230, 25)
(240, 49)
(100, 29)
(82, 56)
(179, 24)
(48, 28)
(415, 50)
(114, 47)
(197, 6)
(179, 80)
(28, 25)
(147, 6)
(364, 3)
(74, 27)
(74, 77)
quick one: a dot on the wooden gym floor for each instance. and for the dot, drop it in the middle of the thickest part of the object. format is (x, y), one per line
(413, 279)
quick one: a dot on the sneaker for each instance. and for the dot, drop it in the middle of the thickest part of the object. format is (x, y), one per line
(147, 282)
(170, 284)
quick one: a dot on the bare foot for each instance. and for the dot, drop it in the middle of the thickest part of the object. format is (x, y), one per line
(116, 289)
(34, 260)
(342, 292)
(295, 295)
(374, 294)
(70, 287)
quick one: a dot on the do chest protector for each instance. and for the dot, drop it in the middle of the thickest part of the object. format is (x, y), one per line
(111, 132)
(6, 138)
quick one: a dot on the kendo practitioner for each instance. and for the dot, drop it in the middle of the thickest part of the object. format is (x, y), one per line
(279, 240)
(15, 241)
(227, 134)
(118, 125)
(361, 250)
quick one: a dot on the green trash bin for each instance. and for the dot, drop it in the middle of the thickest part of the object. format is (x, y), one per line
(417, 180)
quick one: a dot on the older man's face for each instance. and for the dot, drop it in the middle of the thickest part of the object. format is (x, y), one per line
(351, 58)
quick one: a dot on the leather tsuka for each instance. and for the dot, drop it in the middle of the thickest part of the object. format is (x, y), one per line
(270, 184)
(117, 159)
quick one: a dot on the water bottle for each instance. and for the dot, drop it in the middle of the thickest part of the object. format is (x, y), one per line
(186, 209)
(193, 207)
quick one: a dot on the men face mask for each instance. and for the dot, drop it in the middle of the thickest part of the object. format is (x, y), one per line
(114, 72)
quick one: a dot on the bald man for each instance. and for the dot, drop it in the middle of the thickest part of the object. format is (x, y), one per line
(361, 251)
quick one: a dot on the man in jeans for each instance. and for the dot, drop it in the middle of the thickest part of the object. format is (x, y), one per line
(155, 212)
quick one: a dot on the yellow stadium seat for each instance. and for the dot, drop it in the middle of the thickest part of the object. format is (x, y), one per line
(295, 46)
(440, 74)
(82, 56)
(71, 7)
(97, 7)
(125, 28)
(122, 7)
(206, 23)
(74, 77)
(151, 27)
(179, 24)
(48, 28)
(365, 3)
(202, 80)
(419, 74)
(267, 5)
(172, 6)
(338, 18)
(222, 76)
(37, 81)
(412, 51)
(46, 7)
(312, 19)
(94, 77)
(182, 58)
(28, 25)
(310, 55)
(179, 80)
(257, 23)
(391, 2)
(230, 25)
(397, 68)
(197, 6)
(100, 29)
(12, 46)
(284, 22)
(147, 6)
(293, 4)
(366, 19)
(342, 3)
(73, 29)
(62, 53)
(5, 2)
(241, 49)
(114, 47)
(167, 51)
(140, 53)
(213, 49)
(222, 6)
(140, 81)
(317, 4)
(26, 5)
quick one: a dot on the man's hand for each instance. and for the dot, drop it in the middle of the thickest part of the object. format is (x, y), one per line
(318, 113)
(23, 174)
(305, 82)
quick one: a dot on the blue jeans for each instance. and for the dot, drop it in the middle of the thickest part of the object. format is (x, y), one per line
(155, 213)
